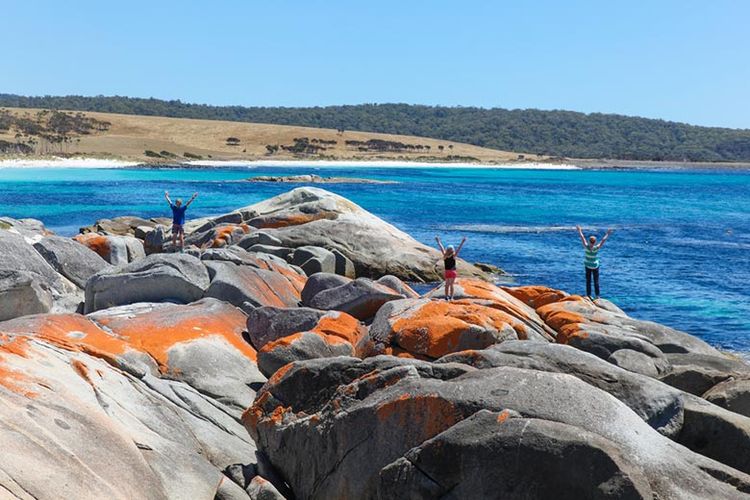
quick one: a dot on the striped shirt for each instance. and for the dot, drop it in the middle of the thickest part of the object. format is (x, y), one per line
(591, 259)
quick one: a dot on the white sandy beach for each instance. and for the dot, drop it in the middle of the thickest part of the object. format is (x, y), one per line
(376, 164)
(56, 162)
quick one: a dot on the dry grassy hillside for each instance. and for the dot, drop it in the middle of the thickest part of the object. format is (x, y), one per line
(130, 136)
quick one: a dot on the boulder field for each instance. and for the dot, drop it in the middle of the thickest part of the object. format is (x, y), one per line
(283, 356)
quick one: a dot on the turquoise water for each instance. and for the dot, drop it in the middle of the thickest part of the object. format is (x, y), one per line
(679, 254)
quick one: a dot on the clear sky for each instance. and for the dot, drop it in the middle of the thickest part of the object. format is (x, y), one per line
(683, 60)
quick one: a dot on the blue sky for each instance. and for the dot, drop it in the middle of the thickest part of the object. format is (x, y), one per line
(678, 60)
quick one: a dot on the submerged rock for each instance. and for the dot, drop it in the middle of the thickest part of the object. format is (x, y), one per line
(316, 179)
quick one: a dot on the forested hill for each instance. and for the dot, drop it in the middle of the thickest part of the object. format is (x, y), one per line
(554, 133)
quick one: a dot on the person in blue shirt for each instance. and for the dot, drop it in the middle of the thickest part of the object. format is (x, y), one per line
(591, 259)
(178, 218)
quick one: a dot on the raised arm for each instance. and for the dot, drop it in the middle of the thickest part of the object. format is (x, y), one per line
(166, 197)
(192, 198)
(601, 243)
(580, 234)
(458, 250)
(440, 244)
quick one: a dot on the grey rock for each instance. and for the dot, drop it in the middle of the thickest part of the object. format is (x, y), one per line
(16, 254)
(396, 284)
(315, 217)
(32, 230)
(259, 238)
(313, 260)
(71, 259)
(320, 282)
(306, 345)
(344, 265)
(638, 362)
(697, 373)
(361, 298)
(238, 284)
(657, 404)
(733, 395)
(118, 250)
(266, 324)
(230, 218)
(241, 474)
(157, 278)
(262, 489)
(154, 241)
(354, 431)
(282, 252)
(716, 433)
(135, 249)
(470, 460)
(22, 293)
(229, 490)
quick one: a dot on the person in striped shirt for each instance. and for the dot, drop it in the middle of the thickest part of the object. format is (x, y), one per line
(591, 259)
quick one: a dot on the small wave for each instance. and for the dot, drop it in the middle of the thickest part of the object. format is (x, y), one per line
(500, 229)
(709, 243)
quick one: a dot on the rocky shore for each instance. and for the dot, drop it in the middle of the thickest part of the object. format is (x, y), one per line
(284, 355)
(315, 179)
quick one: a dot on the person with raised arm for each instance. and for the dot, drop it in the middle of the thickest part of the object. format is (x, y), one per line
(591, 259)
(449, 260)
(178, 219)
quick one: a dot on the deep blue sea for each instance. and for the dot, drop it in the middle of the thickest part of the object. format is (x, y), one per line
(680, 253)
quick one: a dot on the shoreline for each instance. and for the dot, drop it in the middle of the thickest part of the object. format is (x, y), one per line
(568, 164)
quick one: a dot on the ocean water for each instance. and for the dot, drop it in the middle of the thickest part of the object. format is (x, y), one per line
(679, 255)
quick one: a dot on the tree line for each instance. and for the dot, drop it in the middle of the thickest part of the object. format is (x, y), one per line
(553, 133)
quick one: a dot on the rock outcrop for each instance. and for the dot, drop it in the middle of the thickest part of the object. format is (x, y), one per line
(128, 403)
(314, 217)
(156, 278)
(316, 179)
(282, 356)
(74, 261)
(378, 427)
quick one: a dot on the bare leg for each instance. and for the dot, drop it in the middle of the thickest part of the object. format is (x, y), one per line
(182, 240)
(449, 288)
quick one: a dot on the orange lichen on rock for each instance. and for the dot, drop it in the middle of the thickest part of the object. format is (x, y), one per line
(279, 374)
(297, 280)
(157, 331)
(292, 219)
(536, 296)
(569, 332)
(341, 325)
(11, 379)
(334, 328)
(557, 317)
(82, 370)
(223, 235)
(503, 416)
(438, 328)
(96, 242)
(252, 415)
(291, 339)
(426, 414)
(72, 332)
